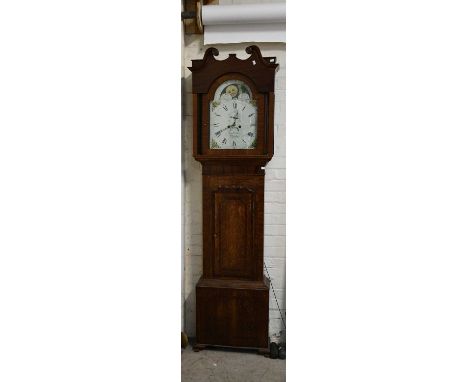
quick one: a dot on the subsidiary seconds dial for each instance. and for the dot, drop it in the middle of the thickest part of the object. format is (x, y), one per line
(233, 117)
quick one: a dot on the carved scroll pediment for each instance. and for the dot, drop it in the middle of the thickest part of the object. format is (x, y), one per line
(261, 70)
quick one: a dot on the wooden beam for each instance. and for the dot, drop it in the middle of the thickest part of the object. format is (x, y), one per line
(191, 25)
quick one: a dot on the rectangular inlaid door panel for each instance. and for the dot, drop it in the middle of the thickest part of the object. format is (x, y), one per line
(233, 227)
(233, 236)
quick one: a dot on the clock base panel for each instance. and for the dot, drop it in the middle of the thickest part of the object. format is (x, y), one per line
(232, 313)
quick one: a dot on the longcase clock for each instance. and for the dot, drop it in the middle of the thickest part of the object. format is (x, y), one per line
(233, 104)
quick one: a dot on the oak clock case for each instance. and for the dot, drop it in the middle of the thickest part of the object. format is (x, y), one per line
(233, 103)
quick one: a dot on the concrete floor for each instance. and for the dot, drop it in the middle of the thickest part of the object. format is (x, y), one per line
(216, 365)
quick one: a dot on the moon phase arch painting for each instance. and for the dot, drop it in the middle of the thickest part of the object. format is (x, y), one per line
(233, 89)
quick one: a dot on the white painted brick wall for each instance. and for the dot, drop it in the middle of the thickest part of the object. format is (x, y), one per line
(275, 184)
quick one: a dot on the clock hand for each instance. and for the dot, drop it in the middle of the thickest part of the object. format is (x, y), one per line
(218, 133)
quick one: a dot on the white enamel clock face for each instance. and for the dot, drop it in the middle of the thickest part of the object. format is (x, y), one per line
(233, 117)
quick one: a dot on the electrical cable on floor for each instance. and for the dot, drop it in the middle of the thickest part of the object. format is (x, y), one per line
(274, 294)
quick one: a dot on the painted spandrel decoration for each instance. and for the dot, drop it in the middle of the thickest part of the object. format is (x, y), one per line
(233, 117)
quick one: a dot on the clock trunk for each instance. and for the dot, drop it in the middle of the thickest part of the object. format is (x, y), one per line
(233, 226)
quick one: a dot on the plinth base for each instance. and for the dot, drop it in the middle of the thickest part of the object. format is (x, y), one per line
(232, 313)
(261, 351)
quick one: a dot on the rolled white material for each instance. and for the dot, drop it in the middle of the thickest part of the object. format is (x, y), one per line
(244, 23)
(244, 14)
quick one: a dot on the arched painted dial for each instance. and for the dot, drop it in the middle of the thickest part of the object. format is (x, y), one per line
(233, 117)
